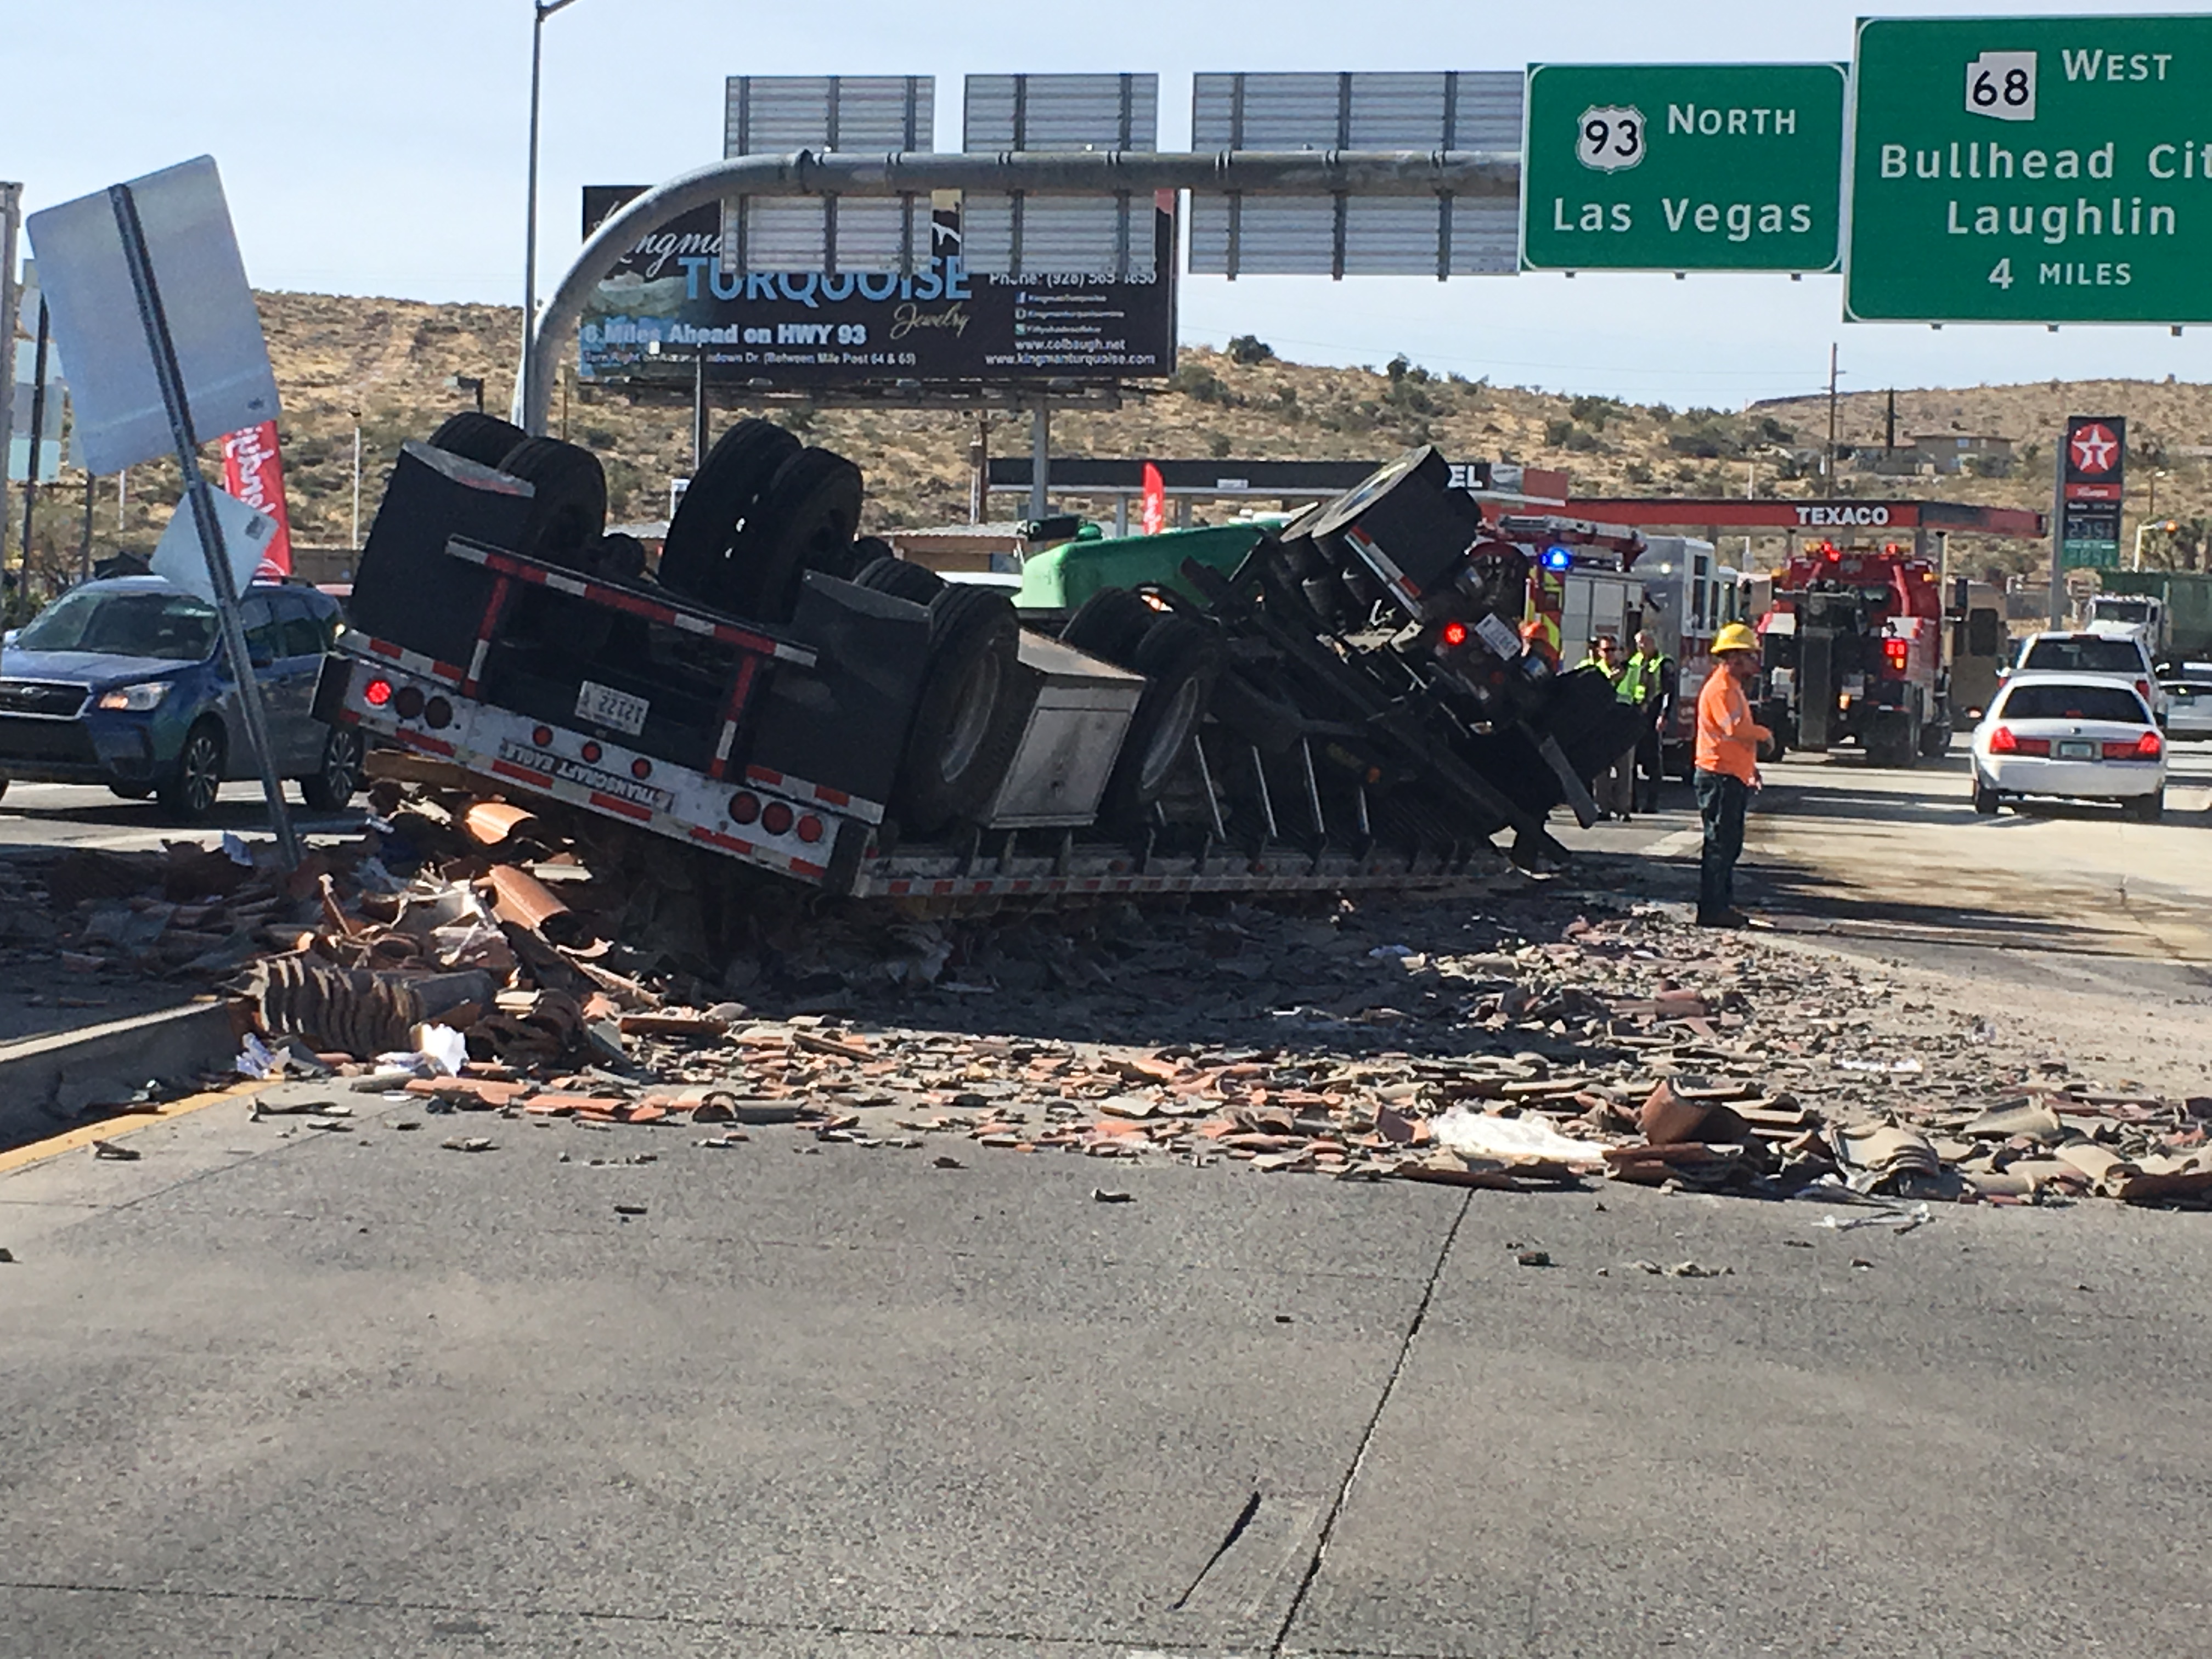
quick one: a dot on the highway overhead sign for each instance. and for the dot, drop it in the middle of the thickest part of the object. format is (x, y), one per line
(2044, 170)
(1682, 167)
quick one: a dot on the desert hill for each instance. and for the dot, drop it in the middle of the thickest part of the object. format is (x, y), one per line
(393, 362)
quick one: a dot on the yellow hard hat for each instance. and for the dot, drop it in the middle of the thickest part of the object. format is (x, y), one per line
(1736, 636)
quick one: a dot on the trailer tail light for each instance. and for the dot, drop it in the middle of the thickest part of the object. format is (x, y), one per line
(591, 752)
(407, 705)
(745, 808)
(1897, 651)
(437, 714)
(2149, 746)
(641, 768)
(776, 817)
(1455, 635)
(376, 693)
(810, 829)
(542, 736)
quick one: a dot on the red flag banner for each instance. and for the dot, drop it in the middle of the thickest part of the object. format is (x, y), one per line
(254, 471)
(1156, 501)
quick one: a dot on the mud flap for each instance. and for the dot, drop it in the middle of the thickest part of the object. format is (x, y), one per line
(1572, 788)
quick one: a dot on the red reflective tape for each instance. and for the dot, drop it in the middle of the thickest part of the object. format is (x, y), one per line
(446, 671)
(942, 888)
(508, 770)
(384, 648)
(428, 745)
(762, 774)
(628, 809)
(727, 843)
(814, 872)
(830, 797)
(635, 604)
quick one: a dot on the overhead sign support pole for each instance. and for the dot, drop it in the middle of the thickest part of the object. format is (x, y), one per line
(11, 212)
(197, 500)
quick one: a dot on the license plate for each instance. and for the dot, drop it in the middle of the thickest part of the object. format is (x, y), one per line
(2075, 749)
(603, 705)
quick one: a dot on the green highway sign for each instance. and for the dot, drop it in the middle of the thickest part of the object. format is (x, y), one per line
(2031, 170)
(1682, 167)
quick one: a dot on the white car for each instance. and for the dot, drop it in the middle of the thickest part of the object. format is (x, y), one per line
(2188, 708)
(2121, 657)
(2073, 736)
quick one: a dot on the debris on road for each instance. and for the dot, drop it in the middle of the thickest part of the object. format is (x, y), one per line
(479, 957)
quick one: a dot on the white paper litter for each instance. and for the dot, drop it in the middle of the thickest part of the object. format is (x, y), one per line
(1478, 1134)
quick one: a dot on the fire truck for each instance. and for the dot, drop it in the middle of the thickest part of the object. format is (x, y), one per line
(1853, 652)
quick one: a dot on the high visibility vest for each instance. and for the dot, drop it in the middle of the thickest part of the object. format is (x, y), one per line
(1643, 679)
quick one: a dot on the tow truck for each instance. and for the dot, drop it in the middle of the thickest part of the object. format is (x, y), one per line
(1853, 652)
(1354, 706)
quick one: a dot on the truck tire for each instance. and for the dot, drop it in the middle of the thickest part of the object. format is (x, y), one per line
(568, 503)
(1935, 740)
(1111, 623)
(1267, 723)
(902, 580)
(618, 558)
(694, 558)
(1182, 662)
(475, 436)
(803, 520)
(968, 715)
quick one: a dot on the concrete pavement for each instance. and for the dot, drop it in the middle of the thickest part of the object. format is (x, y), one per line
(275, 1389)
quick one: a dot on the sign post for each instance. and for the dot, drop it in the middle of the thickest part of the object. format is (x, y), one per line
(196, 357)
(2031, 170)
(1682, 167)
(2092, 486)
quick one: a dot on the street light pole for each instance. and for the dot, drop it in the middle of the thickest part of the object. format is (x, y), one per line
(540, 10)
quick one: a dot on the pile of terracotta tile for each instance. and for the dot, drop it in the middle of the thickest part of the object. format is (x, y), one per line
(493, 957)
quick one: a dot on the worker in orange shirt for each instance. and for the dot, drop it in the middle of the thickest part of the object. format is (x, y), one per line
(1729, 742)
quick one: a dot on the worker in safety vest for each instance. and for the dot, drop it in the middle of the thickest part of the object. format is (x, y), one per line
(1649, 680)
(1729, 741)
(1613, 789)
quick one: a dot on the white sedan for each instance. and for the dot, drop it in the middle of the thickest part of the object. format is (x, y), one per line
(2188, 708)
(2076, 738)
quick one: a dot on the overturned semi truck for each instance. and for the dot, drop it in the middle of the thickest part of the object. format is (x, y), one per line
(1356, 704)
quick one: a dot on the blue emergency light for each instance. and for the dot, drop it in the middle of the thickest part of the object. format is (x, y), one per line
(1557, 558)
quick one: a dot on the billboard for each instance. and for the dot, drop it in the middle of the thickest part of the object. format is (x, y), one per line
(668, 303)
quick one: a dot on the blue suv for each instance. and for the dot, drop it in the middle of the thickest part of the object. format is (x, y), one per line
(124, 681)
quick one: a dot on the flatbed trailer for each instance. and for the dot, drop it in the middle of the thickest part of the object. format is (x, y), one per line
(888, 736)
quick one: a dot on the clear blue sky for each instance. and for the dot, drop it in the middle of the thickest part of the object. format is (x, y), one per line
(378, 148)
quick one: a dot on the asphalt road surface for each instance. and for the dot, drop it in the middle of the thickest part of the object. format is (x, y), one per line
(275, 1390)
(64, 815)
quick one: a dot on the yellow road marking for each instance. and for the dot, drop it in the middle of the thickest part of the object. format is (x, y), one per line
(71, 1140)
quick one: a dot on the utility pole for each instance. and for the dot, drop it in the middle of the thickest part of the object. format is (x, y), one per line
(37, 435)
(540, 10)
(979, 469)
(1889, 426)
(11, 221)
(84, 547)
(1831, 419)
(698, 410)
(356, 481)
